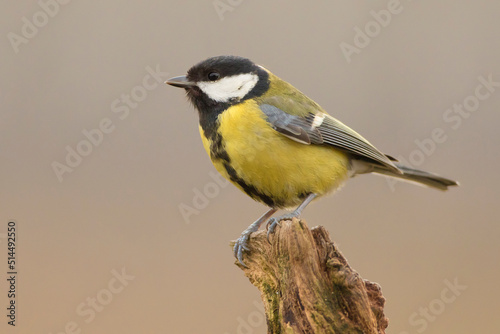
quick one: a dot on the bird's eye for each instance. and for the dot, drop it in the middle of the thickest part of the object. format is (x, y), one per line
(212, 76)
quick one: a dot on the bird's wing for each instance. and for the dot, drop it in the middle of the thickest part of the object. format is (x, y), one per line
(320, 128)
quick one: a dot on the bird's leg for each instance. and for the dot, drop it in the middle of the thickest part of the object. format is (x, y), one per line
(242, 243)
(273, 222)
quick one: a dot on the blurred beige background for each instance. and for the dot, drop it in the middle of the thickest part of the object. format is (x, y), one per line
(117, 212)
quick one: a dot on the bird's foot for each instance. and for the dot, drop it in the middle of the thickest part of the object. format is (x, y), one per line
(242, 245)
(275, 221)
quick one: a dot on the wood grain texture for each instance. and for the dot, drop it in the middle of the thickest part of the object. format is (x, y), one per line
(307, 286)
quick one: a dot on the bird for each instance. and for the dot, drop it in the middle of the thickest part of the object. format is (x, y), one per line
(276, 144)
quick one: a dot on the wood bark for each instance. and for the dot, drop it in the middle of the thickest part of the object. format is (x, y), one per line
(307, 286)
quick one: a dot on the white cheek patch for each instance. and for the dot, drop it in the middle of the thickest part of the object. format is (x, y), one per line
(229, 88)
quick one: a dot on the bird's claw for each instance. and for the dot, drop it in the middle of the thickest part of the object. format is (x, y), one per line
(241, 245)
(271, 226)
(273, 222)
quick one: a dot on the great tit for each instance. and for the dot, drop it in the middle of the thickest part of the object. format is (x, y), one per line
(277, 145)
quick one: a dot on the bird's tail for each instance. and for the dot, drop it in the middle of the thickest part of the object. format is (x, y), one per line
(418, 176)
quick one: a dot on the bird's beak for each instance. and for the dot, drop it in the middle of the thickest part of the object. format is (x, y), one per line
(180, 81)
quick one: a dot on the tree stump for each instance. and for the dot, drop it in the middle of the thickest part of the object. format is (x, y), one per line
(307, 286)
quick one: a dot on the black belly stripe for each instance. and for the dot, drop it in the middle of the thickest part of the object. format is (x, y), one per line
(251, 190)
(217, 150)
(209, 121)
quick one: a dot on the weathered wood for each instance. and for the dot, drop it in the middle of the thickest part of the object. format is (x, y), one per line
(307, 286)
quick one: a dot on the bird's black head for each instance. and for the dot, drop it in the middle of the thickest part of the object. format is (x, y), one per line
(218, 82)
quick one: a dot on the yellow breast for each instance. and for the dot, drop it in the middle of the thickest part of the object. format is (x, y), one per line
(275, 166)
